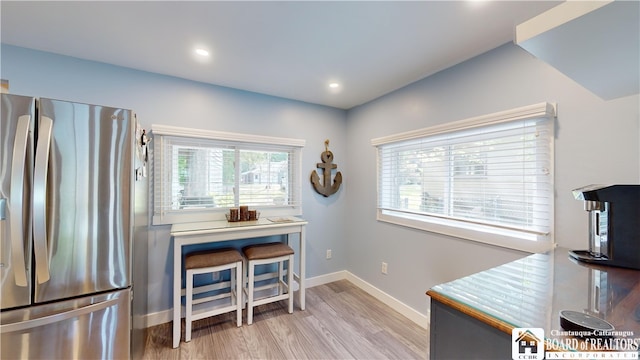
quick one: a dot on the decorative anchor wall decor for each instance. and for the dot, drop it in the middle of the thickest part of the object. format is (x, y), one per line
(326, 188)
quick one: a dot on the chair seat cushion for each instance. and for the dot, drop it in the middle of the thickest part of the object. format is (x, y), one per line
(266, 251)
(209, 258)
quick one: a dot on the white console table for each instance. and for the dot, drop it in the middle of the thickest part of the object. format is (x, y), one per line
(216, 231)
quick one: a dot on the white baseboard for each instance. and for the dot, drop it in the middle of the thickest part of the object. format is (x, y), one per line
(397, 305)
(326, 278)
(420, 319)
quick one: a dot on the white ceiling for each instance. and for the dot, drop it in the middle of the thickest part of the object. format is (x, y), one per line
(286, 49)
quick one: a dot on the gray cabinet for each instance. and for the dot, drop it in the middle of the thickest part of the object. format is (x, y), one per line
(455, 335)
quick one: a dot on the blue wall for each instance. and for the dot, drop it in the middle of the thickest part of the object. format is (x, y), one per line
(596, 142)
(166, 100)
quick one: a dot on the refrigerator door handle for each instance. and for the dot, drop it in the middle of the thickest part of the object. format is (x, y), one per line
(3, 217)
(3, 206)
(16, 205)
(50, 319)
(45, 129)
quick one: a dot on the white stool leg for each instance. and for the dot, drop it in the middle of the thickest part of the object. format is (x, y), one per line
(244, 296)
(280, 274)
(232, 284)
(232, 278)
(239, 276)
(189, 305)
(290, 283)
(250, 293)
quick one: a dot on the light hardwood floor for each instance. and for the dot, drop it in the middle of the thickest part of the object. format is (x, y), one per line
(341, 322)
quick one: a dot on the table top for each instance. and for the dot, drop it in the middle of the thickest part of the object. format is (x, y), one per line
(223, 225)
(531, 292)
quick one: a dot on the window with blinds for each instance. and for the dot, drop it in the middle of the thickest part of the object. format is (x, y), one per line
(199, 175)
(488, 178)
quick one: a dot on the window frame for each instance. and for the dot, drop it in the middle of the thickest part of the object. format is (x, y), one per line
(494, 235)
(242, 142)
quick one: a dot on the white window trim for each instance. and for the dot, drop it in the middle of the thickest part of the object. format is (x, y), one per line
(497, 237)
(537, 110)
(226, 136)
(218, 214)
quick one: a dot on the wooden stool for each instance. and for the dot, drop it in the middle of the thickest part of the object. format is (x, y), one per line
(214, 261)
(268, 254)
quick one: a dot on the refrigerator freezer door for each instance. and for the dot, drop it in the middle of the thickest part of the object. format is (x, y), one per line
(89, 199)
(95, 327)
(16, 158)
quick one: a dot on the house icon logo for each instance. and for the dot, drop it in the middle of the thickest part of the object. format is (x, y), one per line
(527, 344)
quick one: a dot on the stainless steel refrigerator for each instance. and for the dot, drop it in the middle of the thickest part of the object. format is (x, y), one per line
(72, 199)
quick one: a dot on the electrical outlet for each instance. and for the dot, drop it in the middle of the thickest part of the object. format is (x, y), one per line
(328, 254)
(384, 268)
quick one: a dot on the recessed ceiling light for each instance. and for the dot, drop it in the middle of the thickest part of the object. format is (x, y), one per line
(334, 87)
(202, 52)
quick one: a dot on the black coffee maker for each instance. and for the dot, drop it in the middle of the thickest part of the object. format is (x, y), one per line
(614, 225)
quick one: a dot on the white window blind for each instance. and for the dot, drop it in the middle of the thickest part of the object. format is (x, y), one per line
(199, 175)
(488, 178)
